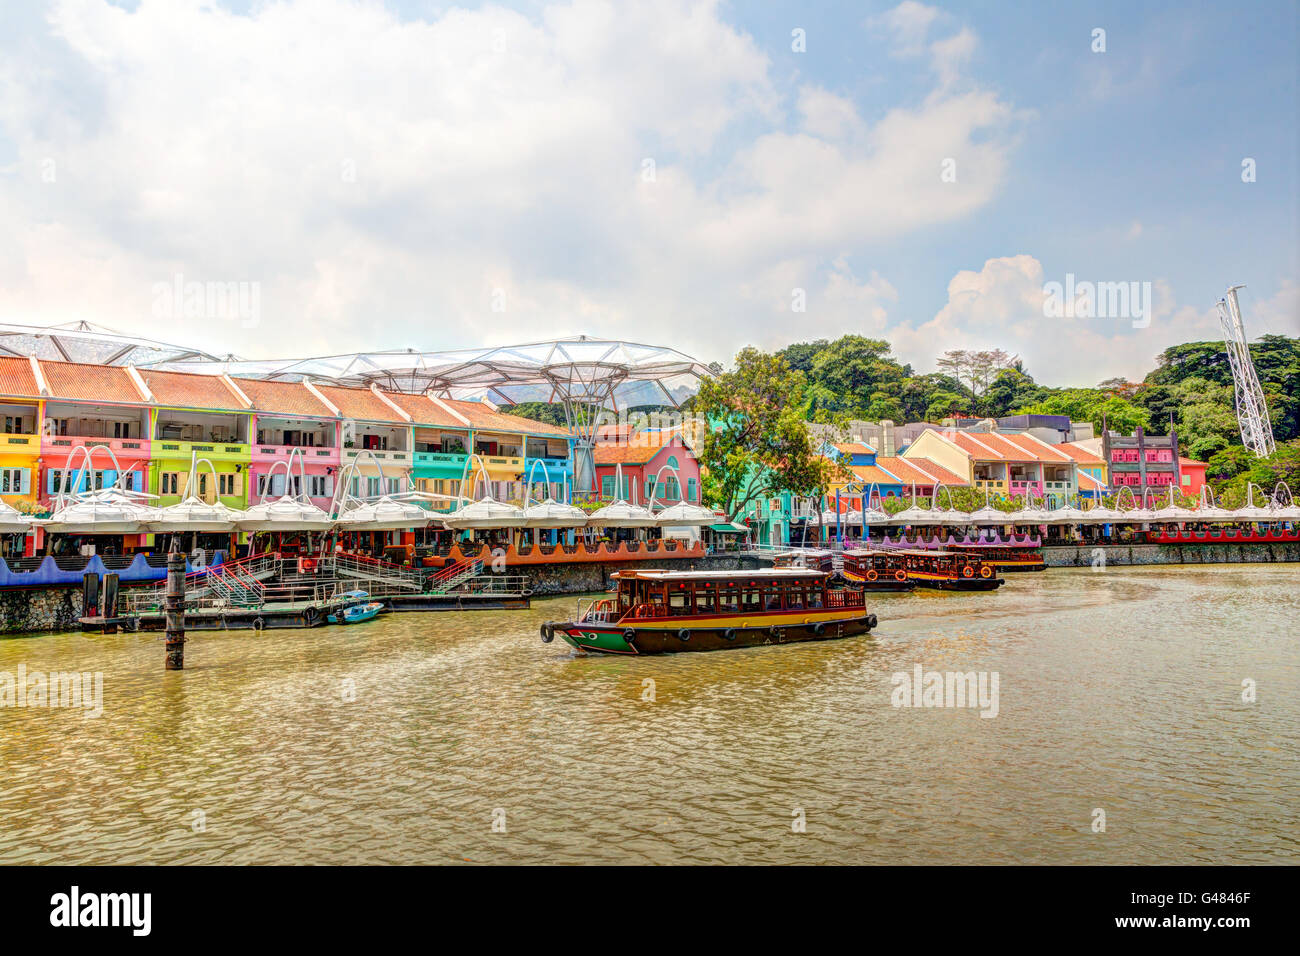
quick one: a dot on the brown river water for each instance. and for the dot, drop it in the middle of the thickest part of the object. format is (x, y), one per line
(460, 737)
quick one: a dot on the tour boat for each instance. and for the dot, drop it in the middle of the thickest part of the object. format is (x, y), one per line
(656, 612)
(815, 559)
(877, 570)
(1006, 558)
(949, 571)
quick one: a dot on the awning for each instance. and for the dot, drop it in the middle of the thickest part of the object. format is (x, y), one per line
(729, 528)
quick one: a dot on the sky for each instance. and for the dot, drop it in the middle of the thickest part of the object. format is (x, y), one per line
(367, 175)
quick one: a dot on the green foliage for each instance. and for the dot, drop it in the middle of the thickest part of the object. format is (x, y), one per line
(552, 413)
(758, 444)
(1089, 405)
(1265, 473)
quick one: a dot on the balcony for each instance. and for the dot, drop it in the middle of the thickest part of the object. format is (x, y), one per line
(19, 444)
(991, 484)
(311, 454)
(1020, 487)
(1058, 486)
(499, 463)
(380, 454)
(442, 462)
(555, 467)
(216, 451)
(121, 447)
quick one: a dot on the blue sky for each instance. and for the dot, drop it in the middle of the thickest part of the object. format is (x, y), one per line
(434, 176)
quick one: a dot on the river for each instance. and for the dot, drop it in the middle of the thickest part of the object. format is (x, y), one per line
(460, 737)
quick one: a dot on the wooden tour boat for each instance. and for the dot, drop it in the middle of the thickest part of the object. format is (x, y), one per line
(949, 571)
(1006, 558)
(876, 570)
(656, 612)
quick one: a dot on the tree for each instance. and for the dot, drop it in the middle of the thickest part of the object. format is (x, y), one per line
(758, 443)
(1010, 388)
(854, 369)
(1089, 405)
(976, 370)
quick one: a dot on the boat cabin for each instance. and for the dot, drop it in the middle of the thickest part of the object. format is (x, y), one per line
(644, 594)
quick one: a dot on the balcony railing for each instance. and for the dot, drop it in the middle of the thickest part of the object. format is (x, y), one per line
(167, 448)
(52, 444)
(310, 452)
(12, 442)
(382, 454)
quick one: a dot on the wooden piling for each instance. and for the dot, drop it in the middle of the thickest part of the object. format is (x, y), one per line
(174, 607)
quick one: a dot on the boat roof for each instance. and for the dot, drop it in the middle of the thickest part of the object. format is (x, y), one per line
(923, 553)
(751, 574)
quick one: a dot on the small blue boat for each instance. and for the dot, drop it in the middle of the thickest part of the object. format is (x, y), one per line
(356, 613)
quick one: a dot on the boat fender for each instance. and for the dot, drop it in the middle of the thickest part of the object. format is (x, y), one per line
(310, 616)
(871, 621)
(729, 634)
(258, 624)
(684, 634)
(628, 635)
(819, 629)
(548, 633)
(527, 592)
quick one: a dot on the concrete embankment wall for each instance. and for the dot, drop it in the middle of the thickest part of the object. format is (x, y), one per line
(1083, 556)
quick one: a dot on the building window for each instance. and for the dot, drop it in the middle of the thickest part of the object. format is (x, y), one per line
(170, 483)
(690, 489)
(372, 487)
(13, 481)
(225, 484)
(316, 486)
(606, 486)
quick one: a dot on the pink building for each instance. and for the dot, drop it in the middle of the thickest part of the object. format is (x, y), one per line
(652, 464)
(288, 416)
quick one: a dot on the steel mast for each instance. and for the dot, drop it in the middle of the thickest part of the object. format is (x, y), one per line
(1252, 410)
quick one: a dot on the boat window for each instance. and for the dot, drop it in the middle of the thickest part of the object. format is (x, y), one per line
(703, 602)
(677, 600)
(815, 598)
(753, 599)
(728, 602)
(794, 599)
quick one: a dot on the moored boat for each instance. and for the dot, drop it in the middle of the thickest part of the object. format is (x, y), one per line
(1027, 558)
(876, 570)
(949, 571)
(656, 612)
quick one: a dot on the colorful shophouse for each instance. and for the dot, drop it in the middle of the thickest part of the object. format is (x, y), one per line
(290, 421)
(1001, 464)
(653, 465)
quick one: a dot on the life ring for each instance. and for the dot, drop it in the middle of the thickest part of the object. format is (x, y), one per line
(900, 575)
(548, 633)
(968, 572)
(729, 634)
(872, 575)
(684, 635)
(986, 571)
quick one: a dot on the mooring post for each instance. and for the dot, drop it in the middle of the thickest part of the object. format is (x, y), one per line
(175, 608)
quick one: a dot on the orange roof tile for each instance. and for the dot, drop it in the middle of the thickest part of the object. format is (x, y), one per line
(1036, 447)
(424, 410)
(1089, 483)
(641, 448)
(481, 416)
(284, 398)
(16, 378)
(1080, 454)
(1191, 461)
(359, 403)
(922, 471)
(870, 473)
(853, 448)
(187, 390)
(91, 383)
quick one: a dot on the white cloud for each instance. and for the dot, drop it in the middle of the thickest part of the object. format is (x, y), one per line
(381, 178)
(1001, 306)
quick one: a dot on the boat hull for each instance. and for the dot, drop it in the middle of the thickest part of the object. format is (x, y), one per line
(631, 639)
(941, 583)
(880, 584)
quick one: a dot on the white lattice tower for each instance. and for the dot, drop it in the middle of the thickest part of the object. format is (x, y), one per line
(1252, 410)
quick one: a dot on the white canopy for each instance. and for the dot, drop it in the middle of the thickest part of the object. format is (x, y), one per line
(915, 515)
(990, 515)
(195, 514)
(686, 514)
(384, 514)
(485, 513)
(285, 514)
(620, 514)
(554, 514)
(13, 521)
(1066, 515)
(110, 511)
